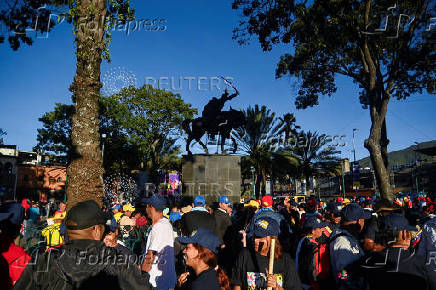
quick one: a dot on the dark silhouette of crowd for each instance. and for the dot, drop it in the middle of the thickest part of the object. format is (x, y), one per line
(158, 242)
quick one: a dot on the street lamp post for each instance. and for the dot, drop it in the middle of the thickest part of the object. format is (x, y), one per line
(416, 167)
(253, 186)
(103, 137)
(354, 155)
(343, 181)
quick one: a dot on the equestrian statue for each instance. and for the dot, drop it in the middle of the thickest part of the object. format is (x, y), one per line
(214, 121)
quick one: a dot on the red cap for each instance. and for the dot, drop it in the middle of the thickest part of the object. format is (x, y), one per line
(267, 201)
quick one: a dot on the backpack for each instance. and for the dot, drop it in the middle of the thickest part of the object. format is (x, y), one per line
(322, 259)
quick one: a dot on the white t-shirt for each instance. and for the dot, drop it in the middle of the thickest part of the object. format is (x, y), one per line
(161, 240)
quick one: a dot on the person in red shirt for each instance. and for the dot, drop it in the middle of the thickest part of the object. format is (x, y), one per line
(13, 258)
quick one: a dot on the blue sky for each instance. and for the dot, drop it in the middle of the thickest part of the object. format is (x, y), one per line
(197, 43)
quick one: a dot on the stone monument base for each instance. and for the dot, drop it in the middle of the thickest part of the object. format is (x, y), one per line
(212, 176)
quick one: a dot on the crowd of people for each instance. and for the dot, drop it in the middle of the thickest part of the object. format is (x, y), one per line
(156, 243)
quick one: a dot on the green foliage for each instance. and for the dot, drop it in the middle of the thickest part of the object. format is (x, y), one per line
(21, 17)
(314, 154)
(330, 37)
(2, 133)
(55, 134)
(141, 126)
(260, 140)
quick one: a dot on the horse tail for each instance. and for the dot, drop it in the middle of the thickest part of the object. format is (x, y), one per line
(185, 126)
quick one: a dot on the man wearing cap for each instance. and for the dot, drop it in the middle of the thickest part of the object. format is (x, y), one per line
(85, 262)
(250, 270)
(116, 210)
(427, 246)
(345, 249)
(290, 212)
(397, 264)
(370, 231)
(267, 211)
(127, 222)
(333, 215)
(159, 250)
(198, 217)
(222, 218)
(312, 258)
(13, 258)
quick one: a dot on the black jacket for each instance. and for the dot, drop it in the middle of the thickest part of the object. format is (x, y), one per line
(223, 222)
(197, 219)
(82, 264)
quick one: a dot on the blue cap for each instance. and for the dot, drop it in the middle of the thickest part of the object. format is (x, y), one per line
(157, 201)
(313, 222)
(174, 216)
(111, 222)
(199, 200)
(354, 212)
(116, 206)
(14, 211)
(204, 237)
(397, 222)
(224, 199)
(335, 208)
(266, 226)
(293, 203)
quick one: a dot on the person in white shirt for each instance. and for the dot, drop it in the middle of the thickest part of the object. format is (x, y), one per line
(159, 250)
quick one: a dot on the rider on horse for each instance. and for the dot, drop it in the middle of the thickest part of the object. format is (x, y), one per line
(213, 108)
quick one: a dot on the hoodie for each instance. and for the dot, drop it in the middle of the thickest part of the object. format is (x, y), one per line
(82, 264)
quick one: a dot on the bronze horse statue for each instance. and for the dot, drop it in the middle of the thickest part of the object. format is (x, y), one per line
(222, 126)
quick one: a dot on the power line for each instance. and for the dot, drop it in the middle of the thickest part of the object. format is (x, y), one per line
(411, 126)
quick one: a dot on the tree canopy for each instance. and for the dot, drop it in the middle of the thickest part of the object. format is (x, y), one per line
(140, 124)
(385, 47)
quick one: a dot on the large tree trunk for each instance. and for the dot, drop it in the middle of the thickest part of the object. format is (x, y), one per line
(85, 173)
(377, 147)
(378, 99)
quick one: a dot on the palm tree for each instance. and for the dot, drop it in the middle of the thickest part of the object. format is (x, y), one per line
(287, 128)
(257, 140)
(315, 156)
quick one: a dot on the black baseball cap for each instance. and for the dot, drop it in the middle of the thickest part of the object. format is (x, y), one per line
(335, 208)
(354, 212)
(157, 201)
(83, 215)
(397, 222)
(266, 226)
(312, 223)
(204, 237)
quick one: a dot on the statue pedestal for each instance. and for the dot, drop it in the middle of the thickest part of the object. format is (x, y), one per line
(212, 176)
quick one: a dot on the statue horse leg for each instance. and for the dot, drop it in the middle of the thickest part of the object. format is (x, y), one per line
(188, 144)
(223, 141)
(202, 145)
(235, 145)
